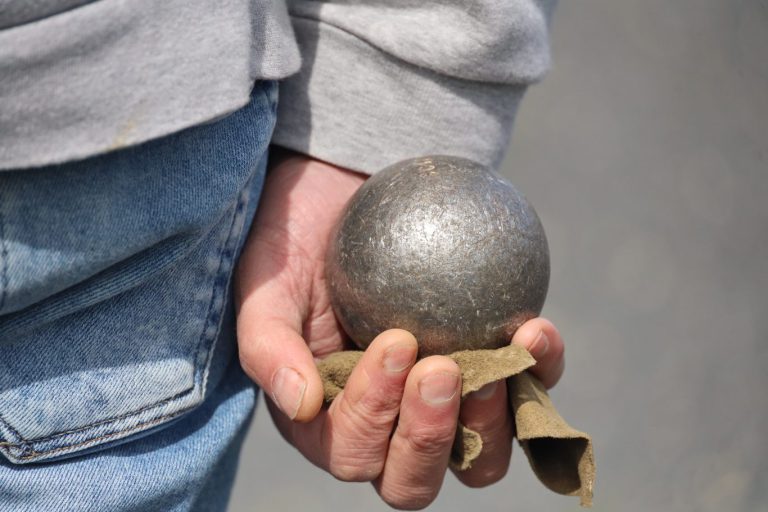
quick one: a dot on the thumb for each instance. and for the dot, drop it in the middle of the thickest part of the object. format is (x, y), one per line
(276, 357)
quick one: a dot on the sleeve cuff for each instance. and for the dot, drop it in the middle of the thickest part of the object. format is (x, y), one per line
(357, 107)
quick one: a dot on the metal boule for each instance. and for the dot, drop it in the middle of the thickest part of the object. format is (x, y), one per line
(442, 247)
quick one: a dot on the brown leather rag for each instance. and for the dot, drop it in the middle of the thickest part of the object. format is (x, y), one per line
(561, 457)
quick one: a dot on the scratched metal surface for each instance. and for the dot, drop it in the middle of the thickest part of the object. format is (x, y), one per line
(646, 156)
(443, 248)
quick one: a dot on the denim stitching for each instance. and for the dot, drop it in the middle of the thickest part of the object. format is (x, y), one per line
(18, 322)
(13, 431)
(224, 255)
(33, 453)
(218, 283)
(3, 262)
(23, 446)
(92, 425)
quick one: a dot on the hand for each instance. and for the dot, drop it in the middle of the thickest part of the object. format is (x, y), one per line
(395, 421)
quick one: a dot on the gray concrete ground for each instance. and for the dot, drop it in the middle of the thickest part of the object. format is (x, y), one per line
(645, 153)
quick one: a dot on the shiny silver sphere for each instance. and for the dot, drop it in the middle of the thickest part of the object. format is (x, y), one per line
(442, 247)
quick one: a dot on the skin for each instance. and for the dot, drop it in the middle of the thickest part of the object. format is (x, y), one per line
(394, 423)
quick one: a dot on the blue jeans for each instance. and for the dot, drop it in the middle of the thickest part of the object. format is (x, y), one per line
(119, 382)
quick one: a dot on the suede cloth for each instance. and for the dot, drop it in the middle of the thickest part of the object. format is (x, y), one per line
(560, 456)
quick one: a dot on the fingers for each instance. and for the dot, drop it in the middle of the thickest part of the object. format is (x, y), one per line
(351, 438)
(362, 417)
(277, 358)
(270, 312)
(421, 444)
(486, 412)
(542, 339)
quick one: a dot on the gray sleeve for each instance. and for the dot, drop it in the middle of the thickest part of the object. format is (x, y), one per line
(386, 80)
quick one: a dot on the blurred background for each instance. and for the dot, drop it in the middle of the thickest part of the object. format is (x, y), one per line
(645, 152)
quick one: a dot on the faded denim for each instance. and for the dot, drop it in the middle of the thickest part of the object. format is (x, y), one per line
(119, 385)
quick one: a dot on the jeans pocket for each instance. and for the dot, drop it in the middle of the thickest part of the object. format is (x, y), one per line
(136, 252)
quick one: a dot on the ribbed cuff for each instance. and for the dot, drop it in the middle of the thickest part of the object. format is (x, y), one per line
(359, 108)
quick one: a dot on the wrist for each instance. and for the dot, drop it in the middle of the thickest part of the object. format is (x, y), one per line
(283, 158)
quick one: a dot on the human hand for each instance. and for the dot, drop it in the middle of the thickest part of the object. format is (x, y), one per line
(395, 421)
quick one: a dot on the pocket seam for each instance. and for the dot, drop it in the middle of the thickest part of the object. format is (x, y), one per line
(3, 262)
(28, 452)
(220, 288)
(51, 437)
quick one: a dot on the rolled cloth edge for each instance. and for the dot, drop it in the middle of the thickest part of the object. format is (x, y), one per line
(560, 456)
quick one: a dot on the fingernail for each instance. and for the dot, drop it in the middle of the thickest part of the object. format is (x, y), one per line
(438, 388)
(486, 392)
(399, 357)
(539, 346)
(288, 388)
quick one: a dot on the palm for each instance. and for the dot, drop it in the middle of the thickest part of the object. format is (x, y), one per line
(285, 256)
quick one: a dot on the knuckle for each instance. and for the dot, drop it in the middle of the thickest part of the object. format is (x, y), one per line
(429, 443)
(377, 413)
(382, 399)
(366, 416)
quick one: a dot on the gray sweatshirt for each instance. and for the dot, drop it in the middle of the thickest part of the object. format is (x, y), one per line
(364, 82)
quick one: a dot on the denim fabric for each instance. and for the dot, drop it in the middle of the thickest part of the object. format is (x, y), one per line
(119, 386)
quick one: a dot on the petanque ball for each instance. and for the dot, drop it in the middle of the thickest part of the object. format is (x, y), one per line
(442, 247)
